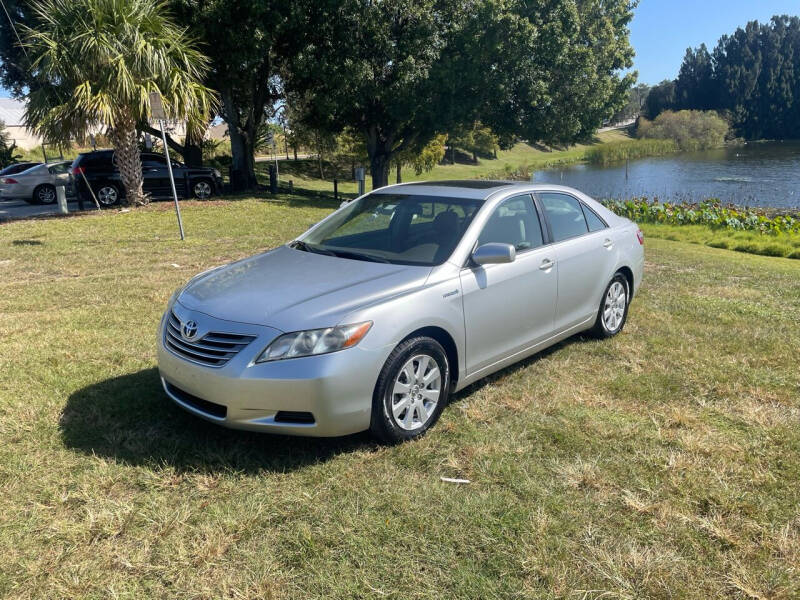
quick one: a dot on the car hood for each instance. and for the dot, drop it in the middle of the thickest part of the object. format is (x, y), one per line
(292, 290)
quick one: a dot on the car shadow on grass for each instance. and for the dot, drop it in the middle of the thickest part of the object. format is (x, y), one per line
(130, 419)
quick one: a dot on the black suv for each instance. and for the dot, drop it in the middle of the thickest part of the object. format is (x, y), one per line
(98, 169)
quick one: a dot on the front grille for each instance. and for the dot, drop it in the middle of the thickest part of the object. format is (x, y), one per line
(214, 349)
(211, 408)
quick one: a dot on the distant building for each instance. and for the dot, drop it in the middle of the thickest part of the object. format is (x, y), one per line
(11, 114)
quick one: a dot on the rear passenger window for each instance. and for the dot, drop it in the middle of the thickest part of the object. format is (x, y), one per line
(564, 214)
(595, 222)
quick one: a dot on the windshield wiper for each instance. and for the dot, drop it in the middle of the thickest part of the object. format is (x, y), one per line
(359, 256)
(300, 245)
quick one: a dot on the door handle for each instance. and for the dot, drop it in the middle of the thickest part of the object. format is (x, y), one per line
(546, 264)
(608, 243)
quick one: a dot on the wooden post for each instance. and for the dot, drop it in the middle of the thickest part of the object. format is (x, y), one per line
(335, 189)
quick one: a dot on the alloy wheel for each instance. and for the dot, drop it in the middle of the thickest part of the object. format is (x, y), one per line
(202, 190)
(416, 392)
(46, 195)
(107, 195)
(614, 306)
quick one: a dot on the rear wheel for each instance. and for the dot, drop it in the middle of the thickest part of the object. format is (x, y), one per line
(412, 390)
(613, 310)
(108, 195)
(44, 194)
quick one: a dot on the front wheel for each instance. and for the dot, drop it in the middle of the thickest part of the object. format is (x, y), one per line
(613, 310)
(108, 195)
(411, 391)
(44, 194)
(202, 189)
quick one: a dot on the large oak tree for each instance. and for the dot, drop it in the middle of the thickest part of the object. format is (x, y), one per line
(401, 71)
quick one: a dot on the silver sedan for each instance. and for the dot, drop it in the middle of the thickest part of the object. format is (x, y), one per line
(374, 316)
(37, 185)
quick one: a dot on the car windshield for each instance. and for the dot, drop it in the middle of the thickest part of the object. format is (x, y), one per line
(395, 228)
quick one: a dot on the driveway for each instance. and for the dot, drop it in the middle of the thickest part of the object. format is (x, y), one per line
(19, 209)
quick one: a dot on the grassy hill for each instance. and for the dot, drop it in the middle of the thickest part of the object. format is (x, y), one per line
(660, 464)
(305, 173)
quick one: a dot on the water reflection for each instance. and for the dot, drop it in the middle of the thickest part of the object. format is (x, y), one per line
(757, 174)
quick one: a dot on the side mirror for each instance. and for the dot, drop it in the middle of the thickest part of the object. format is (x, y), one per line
(490, 254)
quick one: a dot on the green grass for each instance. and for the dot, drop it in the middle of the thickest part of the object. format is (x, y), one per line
(518, 161)
(752, 242)
(662, 463)
(605, 154)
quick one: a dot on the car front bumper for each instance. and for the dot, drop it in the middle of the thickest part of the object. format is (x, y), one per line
(335, 389)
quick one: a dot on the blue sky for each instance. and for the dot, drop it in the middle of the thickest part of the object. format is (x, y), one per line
(662, 29)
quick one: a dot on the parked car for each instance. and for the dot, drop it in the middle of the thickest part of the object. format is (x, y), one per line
(17, 168)
(37, 184)
(371, 318)
(99, 170)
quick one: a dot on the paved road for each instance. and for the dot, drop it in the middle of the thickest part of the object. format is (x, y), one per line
(19, 209)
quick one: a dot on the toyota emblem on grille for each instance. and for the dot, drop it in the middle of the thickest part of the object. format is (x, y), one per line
(189, 330)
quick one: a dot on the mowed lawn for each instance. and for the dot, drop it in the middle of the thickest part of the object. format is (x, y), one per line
(305, 173)
(663, 463)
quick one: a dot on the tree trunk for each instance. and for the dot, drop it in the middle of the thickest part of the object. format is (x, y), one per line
(243, 164)
(399, 174)
(294, 149)
(379, 168)
(128, 160)
(474, 158)
(243, 169)
(453, 154)
(379, 150)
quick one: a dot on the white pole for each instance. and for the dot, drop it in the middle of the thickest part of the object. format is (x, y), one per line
(61, 195)
(171, 178)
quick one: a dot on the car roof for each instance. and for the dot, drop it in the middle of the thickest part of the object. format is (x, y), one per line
(477, 189)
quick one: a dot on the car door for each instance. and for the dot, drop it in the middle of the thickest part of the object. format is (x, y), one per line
(585, 257)
(155, 175)
(60, 175)
(509, 307)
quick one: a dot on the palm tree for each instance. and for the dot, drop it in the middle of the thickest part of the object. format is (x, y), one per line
(98, 61)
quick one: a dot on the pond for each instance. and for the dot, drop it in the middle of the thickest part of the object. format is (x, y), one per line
(755, 174)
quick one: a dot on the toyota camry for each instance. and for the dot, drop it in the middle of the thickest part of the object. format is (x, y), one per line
(374, 316)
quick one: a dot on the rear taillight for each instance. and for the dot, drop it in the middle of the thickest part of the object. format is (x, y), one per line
(640, 236)
(78, 170)
(8, 180)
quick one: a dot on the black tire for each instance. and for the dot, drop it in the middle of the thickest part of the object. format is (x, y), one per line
(43, 194)
(384, 424)
(207, 185)
(602, 329)
(107, 194)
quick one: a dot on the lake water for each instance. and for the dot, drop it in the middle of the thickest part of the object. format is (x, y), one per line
(758, 174)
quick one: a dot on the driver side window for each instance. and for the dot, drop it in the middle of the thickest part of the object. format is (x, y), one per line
(516, 222)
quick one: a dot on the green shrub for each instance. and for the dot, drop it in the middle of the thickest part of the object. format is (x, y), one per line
(710, 213)
(689, 129)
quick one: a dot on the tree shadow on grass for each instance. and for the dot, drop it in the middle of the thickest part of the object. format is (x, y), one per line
(130, 419)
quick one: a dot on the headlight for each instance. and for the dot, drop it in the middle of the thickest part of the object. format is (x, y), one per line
(217, 174)
(314, 341)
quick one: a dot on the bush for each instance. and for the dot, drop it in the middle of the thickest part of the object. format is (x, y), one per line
(710, 213)
(689, 129)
